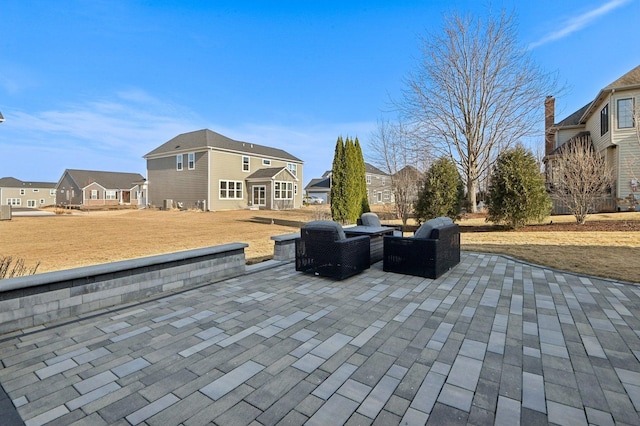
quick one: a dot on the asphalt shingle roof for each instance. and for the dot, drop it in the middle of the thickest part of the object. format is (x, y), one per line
(206, 138)
(109, 180)
(11, 182)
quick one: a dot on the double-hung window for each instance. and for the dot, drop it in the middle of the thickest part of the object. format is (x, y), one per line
(179, 165)
(625, 113)
(191, 160)
(110, 194)
(245, 164)
(94, 194)
(230, 190)
(293, 168)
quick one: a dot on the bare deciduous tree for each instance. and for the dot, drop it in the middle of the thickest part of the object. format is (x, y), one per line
(394, 151)
(475, 92)
(581, 178)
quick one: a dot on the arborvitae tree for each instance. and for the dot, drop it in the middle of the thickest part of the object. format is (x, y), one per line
(441, 192)
(352, 186)
(339, 208)
(517, 194)
(362, 173)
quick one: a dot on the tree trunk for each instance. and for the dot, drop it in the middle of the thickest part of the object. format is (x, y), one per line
(471, 195)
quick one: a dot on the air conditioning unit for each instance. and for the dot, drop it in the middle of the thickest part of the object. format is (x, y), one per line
(168, 204)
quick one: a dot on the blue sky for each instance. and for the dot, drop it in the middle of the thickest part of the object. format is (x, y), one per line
(93, 84)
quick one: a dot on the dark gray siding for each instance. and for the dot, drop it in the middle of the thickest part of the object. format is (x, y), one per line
(68, 193)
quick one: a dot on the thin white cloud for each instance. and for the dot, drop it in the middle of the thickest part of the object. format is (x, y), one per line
(577, 23)
(114, 133)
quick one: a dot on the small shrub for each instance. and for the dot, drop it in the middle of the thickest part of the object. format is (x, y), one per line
(441, 192)
(517, 195)
(10, 268)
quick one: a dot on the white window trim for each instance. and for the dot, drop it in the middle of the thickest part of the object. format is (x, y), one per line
(94, 194)
(293, 168)
(22, 191)
(36, 190)
(247, 163)
(110, 194)
(277, 190)
(52, 192)
(266, 162)
(14, 201)
(235, 190)
(368, 179)
(179, 163)
(191, 161)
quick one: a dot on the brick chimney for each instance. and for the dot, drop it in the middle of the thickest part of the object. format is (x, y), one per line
(549, 118)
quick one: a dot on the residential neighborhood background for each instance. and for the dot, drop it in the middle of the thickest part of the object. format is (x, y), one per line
(209, 171)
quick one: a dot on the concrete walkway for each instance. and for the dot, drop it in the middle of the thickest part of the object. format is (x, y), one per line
(492, 341)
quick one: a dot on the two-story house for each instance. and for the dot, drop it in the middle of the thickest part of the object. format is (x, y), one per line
(17, 193)
(91, 188)
(610, 123)
(379, 189)
(209, 171)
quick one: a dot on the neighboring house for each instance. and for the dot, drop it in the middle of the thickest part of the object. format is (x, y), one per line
(17, 193)
(379, 190)
(320, 187)
(609, 123)
(206, 170)
(90, 188)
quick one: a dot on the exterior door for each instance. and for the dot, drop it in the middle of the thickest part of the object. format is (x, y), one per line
(259, 195)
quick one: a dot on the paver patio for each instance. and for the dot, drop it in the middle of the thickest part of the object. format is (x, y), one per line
(493, 341)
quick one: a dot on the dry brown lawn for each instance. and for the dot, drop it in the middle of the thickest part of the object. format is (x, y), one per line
(67, 241)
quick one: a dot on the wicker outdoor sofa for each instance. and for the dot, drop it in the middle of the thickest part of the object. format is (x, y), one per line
(432, 251)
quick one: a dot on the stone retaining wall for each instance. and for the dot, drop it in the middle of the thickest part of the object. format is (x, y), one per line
(33, 300)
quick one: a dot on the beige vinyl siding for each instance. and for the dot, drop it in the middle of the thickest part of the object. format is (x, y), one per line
(228, 167)
(283, 204)
(628, 146)
(185, 186)
(600, 142)
(15, 194)
(563, 135)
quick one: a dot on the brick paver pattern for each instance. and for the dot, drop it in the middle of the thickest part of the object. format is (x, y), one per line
(493, 341)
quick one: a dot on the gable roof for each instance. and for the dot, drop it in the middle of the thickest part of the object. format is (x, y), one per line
(269, 173)
(205, 138)
(630, 80)
(319, 183)
(108, 180)
(573, 119)
(11, 182)
(374, 170)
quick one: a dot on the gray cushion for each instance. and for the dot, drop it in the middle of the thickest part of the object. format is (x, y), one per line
(445, 220)
(370, 219)
(326, 225)
(425, 229)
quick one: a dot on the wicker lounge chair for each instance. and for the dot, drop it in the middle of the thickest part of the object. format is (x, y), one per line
(432, 251)
(323, 249)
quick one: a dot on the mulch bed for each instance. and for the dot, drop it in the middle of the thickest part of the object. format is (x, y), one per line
(588, 226)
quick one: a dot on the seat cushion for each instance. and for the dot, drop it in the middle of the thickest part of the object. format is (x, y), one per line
(370, 219)
(328, 226)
